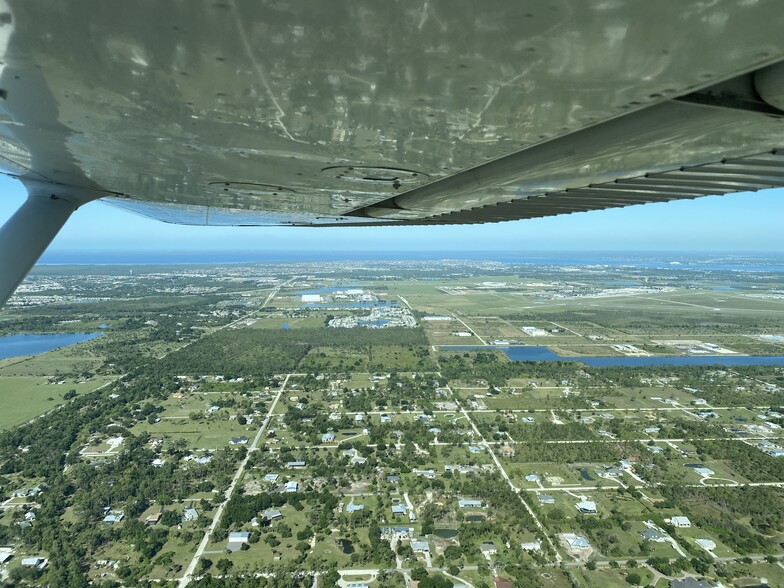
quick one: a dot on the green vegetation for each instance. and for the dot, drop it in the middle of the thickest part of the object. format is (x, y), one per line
(208, 382)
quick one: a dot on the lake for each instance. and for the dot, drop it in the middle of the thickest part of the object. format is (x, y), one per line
(19, 345)
(536, 353)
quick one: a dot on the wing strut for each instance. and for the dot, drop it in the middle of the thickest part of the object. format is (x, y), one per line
(25, 236)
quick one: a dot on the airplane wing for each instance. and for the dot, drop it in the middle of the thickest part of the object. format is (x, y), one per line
(249, 112)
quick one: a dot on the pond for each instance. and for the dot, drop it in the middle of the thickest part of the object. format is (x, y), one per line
(33, 344)
(474, 518)
(346, 546)
(586, 476)
(445, 533)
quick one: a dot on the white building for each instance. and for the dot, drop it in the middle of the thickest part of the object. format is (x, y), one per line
(680, 522)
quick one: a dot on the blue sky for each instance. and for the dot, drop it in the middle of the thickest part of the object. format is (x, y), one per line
(739, 222)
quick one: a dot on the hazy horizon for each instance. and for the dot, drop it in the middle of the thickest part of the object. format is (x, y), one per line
(738, 223)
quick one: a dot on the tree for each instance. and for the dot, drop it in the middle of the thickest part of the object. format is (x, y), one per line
(634, 579)
(329, 579)
(418, 573)
(224, 565)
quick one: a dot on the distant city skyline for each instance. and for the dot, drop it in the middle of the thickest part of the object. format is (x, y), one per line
(747, 222)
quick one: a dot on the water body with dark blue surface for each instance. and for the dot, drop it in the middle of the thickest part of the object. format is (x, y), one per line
(534, 353)
(19, 345)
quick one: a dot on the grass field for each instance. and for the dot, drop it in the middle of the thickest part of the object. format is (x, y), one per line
(25, 397)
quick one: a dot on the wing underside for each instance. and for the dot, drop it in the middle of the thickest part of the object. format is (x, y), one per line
(350, 113)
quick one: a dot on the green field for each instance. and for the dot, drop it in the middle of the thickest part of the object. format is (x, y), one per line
(27, 397)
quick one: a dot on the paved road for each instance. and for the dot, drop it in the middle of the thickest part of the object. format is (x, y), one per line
(188, 575)
(514, 488)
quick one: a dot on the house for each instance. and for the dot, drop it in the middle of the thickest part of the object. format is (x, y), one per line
(398, 509)
(532, 545)
(527, 420)
(189, 514)
(292, 486)
(272, 514)
(328, 438)
(654, 448)
(420, 546)
(158, 462)
(532, 478)
(546, 499)
(393, 478)
(25, 492)
(351, 507)
(500, 582)
(271, 477)
(706, 544)
(359, 417)
(653, 535)
(576, 541)
(295, 464)
(396, 532)
(469, 503)
(6, 554)
(680, 522)
(586, 507)
(114, 517)
(650, 430)
(429, 474)
(35, 562)
(474, 449)
(488, 548)
(705, 472)
(243, 440)
(385, 418)
(236, 540)
(358, 460)
(29, 516)
(154, 518)
(776, 452)
(507, 451)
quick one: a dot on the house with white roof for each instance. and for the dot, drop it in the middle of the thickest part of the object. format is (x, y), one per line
(681, 522)
(469, 503)
(236, 540)
(586, 507)
(706, 544)
(576, 541)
